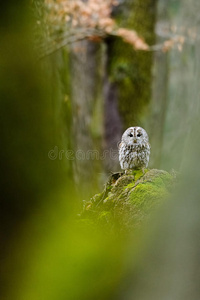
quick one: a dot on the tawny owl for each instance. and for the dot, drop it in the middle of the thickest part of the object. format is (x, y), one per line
(134, 149)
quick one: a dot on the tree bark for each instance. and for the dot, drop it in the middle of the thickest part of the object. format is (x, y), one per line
(129, 73)
(158, 105)
(84, 91)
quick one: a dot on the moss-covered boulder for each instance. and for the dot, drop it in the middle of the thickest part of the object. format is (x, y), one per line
(128, 199)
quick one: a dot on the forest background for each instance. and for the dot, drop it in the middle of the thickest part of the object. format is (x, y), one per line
(74, 75)
(115, 65)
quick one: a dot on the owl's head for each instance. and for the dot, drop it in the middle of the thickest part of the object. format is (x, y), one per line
(135, 136)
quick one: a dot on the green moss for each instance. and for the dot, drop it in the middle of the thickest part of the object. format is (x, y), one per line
(97, 197)
(104, 216)
(146, 195)
(138, 173)
(128, 199)
(130, 69)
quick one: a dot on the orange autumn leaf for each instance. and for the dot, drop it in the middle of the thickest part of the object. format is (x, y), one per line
(131, 37)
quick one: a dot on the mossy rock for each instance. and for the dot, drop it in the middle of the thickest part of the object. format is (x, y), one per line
(128, 199)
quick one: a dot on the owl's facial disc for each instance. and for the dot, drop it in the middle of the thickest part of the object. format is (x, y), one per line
(139, 136)
(132, 137)
(135, 136)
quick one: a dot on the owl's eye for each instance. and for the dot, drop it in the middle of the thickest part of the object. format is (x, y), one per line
(139, 134)
(130, 135)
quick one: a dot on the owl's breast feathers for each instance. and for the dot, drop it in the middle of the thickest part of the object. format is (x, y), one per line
(134, 147)
(134, 155)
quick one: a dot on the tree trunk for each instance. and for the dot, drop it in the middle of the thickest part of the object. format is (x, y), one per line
(84, 91)
(158, 105)
(129, 73)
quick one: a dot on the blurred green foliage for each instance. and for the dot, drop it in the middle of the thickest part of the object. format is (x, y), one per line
(46, 252)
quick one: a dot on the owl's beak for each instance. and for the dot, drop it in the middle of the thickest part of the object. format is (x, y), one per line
(135, 141)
